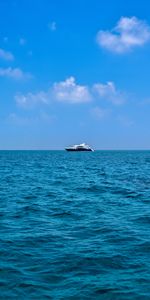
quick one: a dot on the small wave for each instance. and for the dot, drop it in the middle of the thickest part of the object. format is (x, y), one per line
(74, 227)
(143, 220)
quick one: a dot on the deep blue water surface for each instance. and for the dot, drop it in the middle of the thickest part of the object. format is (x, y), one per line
(75, 225)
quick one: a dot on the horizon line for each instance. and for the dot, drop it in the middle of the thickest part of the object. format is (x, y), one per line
(76, 151)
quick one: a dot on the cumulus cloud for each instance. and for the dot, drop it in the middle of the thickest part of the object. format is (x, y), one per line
(69, 91)
(6, 55)
(30, 100)
(65, 91)
(128, 34)
(109, 92)
(14, 73)
(52, 26)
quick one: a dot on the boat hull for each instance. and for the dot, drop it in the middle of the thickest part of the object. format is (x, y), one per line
(78, 150)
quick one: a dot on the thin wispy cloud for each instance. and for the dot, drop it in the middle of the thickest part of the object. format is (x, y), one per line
(125, 121)
(99, 113)
(30, 53)
(14, 73)
(6, 55)
(5, 39)
(30, 100)
(42, 117)
(15, 119)
(109, 92)
(128, 34)
(22, 41)
(52, 26)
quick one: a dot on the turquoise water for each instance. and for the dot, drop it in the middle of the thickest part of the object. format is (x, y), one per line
(75, 225)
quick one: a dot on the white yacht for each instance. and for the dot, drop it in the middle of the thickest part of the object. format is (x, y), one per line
(80, 147)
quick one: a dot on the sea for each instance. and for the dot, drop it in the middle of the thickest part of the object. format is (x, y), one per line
(75, 225)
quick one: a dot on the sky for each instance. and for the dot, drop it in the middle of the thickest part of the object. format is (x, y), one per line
(74, 71)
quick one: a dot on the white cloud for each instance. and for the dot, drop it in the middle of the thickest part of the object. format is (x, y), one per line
(6, 55)
(65, 91)
(14, 73)
(69, 91)
(30, 100)
(109, 92)
(128, 33)
(52, 26)
(22, 41)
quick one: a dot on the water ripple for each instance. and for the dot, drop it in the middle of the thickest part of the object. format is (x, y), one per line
(75, 225)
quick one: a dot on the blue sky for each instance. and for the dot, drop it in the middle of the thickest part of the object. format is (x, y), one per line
(74, 71)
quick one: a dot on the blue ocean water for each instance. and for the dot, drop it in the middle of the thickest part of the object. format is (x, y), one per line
(75, 225)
